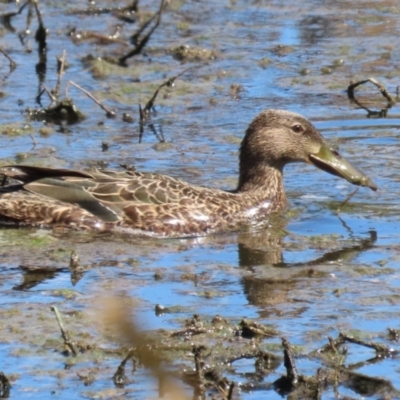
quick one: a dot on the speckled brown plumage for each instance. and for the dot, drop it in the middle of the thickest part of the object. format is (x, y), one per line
(145, 203)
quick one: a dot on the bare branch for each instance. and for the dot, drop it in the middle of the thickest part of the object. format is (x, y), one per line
(60, 72)
(13, 65)
(67, 340)
(109, 113)
(141, 43)
(350, 90)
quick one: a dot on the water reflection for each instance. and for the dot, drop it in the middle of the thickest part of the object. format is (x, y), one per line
(315, 28)
(34, 275)
(262, 253)
(263, 248)
(274, 279)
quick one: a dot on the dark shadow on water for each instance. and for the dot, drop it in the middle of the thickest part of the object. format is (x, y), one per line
(34, 275)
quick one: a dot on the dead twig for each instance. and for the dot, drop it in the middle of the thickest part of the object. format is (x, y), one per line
(40, 37)
(119, 377)
(382, 89)
(321, 380)
(60, 72)
(135, 38)
(34, 141)
(144, 116)
(109, 113)
(74, 261)
(67, 340)
(393, 334)
(346, 200)
(13, 64)
(291, 371)
(48, 92)
(41, 32)
(230, 393)
(75, 268)
(140, 43)
(133, 7)
(332, 345)
(5, 386)
(144, 113)
(379, 348)
(141, 123)
(6, 18)
(198, 352)
(169, 83)
(385, 93)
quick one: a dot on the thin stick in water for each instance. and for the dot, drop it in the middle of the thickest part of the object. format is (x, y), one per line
(67, 340)
(109, 113)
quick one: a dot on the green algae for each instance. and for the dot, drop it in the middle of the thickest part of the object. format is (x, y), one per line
(16, 129)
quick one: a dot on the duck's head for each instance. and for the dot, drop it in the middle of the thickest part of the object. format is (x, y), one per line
(276, 137)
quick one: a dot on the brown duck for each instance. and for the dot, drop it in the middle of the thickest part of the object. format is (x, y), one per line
(145, 203)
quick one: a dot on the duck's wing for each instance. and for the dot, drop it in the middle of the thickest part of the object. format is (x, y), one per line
(27, 173)
(107, 195)
(66, 186)
(145, 188)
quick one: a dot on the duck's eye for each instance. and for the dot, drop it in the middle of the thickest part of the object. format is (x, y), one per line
(297, 128)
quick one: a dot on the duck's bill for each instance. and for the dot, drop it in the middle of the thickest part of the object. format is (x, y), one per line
(331, 161)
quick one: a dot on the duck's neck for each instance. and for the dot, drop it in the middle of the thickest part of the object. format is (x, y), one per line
(264, 182)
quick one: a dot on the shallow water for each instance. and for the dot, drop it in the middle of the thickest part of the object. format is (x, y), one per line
(318, 275)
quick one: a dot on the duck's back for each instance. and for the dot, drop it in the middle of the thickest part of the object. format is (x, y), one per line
(107, 200)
